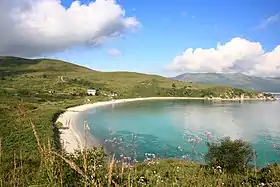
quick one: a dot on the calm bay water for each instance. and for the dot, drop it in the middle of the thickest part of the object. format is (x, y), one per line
(164, 127)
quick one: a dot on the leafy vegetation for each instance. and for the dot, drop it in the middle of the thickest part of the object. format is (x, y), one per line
(232, 156)
(37, 91)
(159, 172)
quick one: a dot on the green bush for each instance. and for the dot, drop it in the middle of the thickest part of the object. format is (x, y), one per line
(59, 124)
(232, 156)
(270, 174)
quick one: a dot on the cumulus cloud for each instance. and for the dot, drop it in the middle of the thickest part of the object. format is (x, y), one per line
(237, 55)
(114, 52)
(35, 27)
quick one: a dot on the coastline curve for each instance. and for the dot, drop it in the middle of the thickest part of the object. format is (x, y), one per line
(72, 139)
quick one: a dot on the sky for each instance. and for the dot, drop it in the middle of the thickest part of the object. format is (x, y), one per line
(151, 36)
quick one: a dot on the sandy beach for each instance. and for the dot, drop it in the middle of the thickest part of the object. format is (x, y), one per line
(72, 138)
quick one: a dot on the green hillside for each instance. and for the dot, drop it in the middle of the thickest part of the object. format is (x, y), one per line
(36, 91)
(39, 76)
(238, 80)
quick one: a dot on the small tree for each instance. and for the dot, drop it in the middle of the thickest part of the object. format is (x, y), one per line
(173, 85)
(233, 156)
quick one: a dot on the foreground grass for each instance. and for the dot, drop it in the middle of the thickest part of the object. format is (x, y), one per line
(94, 168)
(25, 99)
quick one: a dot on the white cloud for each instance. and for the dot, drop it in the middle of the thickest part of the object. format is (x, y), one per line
(269, 63)
(114, 52)
(269, 21)
(237, 55)
(35, 27)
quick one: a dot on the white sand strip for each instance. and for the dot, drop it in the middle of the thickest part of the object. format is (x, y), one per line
(72, 138)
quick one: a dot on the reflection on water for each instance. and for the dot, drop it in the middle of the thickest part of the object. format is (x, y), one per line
(165, 128)
(246, 121)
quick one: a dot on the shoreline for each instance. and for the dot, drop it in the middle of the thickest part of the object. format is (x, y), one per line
(72, 138)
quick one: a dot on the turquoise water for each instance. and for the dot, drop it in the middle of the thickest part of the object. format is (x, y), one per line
(165, 127)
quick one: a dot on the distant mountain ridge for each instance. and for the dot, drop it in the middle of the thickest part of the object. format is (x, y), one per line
(239, 80)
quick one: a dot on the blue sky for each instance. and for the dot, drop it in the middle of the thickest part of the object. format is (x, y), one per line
(168, 28)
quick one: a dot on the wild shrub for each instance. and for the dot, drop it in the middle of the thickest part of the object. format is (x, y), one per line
(231, 155)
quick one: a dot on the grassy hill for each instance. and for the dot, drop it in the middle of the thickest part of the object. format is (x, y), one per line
(38, 76)
(36, 91)
(237, 80)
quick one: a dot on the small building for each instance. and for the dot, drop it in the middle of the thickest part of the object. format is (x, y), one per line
(91, 92)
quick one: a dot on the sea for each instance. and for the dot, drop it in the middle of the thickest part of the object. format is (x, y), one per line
(143, 130)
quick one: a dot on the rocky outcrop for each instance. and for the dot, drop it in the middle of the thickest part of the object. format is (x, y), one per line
(256, 96)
